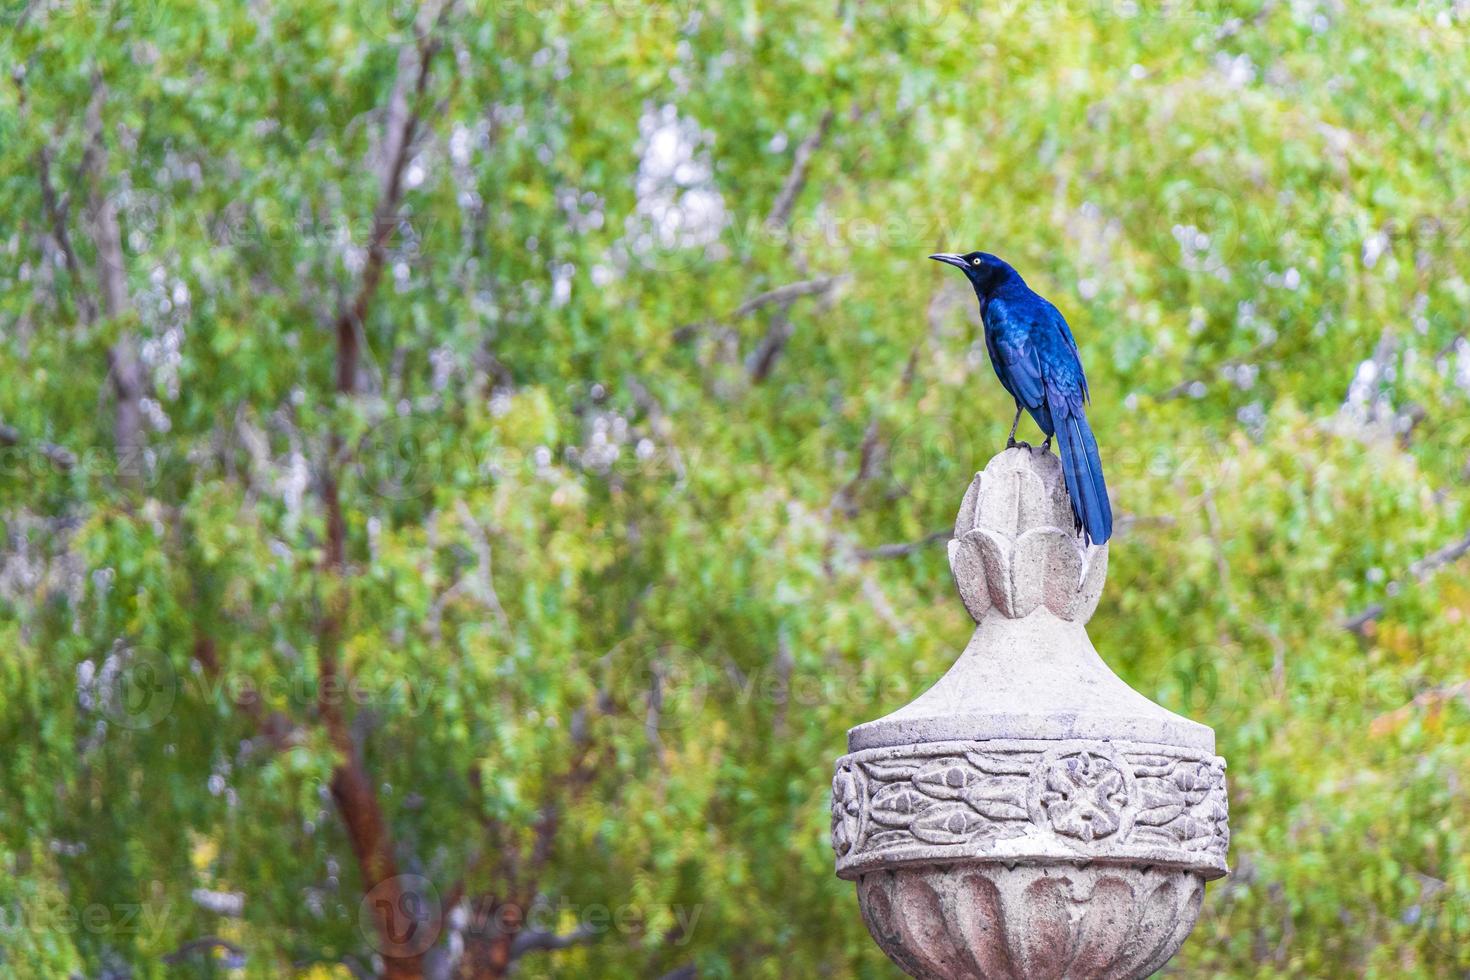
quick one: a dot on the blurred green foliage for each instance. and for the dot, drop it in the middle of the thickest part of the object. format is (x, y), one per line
(611, 507)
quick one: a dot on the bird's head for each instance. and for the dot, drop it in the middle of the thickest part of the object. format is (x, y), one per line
(984, 270)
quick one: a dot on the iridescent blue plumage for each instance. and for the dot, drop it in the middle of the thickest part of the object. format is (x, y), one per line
(1035, 357)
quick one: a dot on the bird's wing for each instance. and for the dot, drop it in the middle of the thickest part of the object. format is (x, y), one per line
(1059, 323)
(1014, 351)
(1066, 388)
(1061, 368)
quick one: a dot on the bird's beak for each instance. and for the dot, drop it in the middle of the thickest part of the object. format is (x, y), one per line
(949, 258)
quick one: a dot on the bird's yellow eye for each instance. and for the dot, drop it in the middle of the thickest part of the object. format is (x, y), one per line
(974, 261)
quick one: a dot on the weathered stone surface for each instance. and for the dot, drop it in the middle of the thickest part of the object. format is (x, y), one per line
(1030, 815)
(1030, 922)
(1037, 677)
(1025, 799)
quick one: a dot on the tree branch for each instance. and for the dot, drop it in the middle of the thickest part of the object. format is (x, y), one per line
(51, 204)
(1419, 571)
(904, 548)
(275, 727)
(58, 456)
(111, 267)
(763, 359)
(352, 786)
(786, 293)
(1433, 562)
(782, 295)
(124, 368)
(536, 941)
(1182, 388)
(487, 594)
(1432, 699)
(869, 456)
(402, 125)
(204, 944)
(780, 215)
(1222, 564)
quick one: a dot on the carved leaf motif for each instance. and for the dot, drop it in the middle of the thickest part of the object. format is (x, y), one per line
(946, 779)
(848, 790)
(1017, 764)
(889, 771)
(1194, 780)
(998, 797)
(887, 838)
(1003, 787)
(1153, 835)
(1013, 499)
(1151, 765)
(947, 823)
(897, 804)
(1004, 807)
(995, 558)
(1028, 567)
(1094, 574)
(1007, 831)
(967, 516)
(1191, 828)
(1047, 565)
(1158, 808)
(969, 576)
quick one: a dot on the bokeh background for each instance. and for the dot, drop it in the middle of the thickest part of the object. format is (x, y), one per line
(467, 465)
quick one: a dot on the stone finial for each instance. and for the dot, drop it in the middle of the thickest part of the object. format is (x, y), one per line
(1015, 546)
(1030, 815)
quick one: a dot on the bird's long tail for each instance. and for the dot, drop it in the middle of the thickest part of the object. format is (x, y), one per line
(1082, 470)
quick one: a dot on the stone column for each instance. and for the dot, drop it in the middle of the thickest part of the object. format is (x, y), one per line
(1030, 816)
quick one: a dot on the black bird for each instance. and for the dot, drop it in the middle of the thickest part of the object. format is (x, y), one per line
(1035, 357)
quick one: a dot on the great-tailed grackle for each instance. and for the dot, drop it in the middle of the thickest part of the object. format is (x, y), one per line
(1036, 359)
